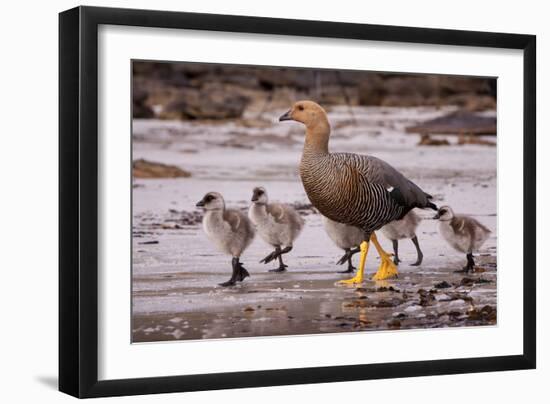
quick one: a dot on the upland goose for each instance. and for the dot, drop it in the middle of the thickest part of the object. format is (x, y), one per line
(277, 224)
(229, 229)
(359, 190)
(463, 233)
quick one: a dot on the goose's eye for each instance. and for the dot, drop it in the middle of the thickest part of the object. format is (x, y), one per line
(301, 107)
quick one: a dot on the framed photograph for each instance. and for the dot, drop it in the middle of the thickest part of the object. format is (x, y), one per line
(252, 202)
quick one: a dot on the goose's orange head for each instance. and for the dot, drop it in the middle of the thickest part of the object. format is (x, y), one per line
(307, 112)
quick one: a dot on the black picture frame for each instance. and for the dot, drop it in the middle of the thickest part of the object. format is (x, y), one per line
(78, 201)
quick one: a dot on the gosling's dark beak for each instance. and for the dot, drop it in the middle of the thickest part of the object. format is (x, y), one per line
(437, 216)
(254, 198)
(286, 116)
(200, 203)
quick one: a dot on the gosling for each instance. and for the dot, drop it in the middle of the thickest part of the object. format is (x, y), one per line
(347, 238)
(400, 229)
(463, 233)
(230, 230)
(277, 224)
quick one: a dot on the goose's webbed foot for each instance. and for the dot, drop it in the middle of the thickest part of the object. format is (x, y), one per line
(387, 268)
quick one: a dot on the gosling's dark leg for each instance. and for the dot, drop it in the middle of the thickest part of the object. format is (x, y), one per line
(234, 275)
(271, 256)
(395, 245)
(282, 266)
(243, 273)
(469, 265)
(419, 255)
(347, 258)
(351, 268)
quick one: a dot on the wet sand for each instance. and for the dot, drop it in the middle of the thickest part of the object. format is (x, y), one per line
(176, 269)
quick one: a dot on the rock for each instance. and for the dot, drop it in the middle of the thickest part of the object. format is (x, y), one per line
(427, 140)
(413, 308)
(394, 323)
(486, 313)
(147, 169)
(472, 281)
(442, 285)
(426, 298)
(457, 123)
(139, 107)
(458, 302)
(442, 297)
(469, 139)
(209, 102)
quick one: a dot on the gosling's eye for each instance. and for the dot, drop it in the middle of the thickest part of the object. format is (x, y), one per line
(260, 192)
(301, 107)
(442, 212)
(209, 198)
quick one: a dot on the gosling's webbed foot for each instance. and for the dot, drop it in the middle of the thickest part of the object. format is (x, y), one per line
(465, 270)
(270, 257)
(230, 282)
(282, 268)
(243, 273)
(418, 262)
(344, 258)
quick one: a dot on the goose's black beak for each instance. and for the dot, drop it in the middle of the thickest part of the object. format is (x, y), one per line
(286, 116)
(200, 203)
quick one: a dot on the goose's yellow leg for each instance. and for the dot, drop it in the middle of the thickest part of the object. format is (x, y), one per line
(358, 278)
(387, 268)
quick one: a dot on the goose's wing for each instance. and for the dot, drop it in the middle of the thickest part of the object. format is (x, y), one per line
(405, 192)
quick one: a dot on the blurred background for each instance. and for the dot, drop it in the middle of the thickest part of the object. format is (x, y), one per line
(192, 91)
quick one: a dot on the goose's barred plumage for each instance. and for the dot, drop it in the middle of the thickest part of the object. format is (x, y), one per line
(354, 189)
